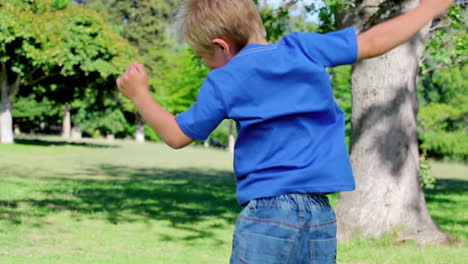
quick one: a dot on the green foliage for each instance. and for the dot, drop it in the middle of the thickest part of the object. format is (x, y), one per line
(64, 52)
(279, 21)
(443, 115)
(444, 85)
(30, 112)
(71, 42)
(221, 134)
(427, 178)
(101, 122)
(341, 82)
(327, 11)
(142, 23)
(443, 88)
(446, 145)
(448, 43)
(275, 21)
(90, 46)
(179, 80)
(60, 4)
(100, 115)
(299, 23)
(151, 135)
(28, 109)
(34, 6)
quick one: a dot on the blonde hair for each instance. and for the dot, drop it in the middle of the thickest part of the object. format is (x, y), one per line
(201, 21)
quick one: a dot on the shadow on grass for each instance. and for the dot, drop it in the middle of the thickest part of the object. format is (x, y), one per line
(47, 143)
(446, 201)
(8, 212)
(181, 197)
(446, 188)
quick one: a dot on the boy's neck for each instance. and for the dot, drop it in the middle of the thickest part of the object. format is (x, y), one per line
(261, 41)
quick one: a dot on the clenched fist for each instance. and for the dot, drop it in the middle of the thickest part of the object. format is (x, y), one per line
(134, 81)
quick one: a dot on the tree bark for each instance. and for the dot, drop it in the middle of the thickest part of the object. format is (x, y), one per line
(6, 122)
(76, 133)
(232, 138)
(66, 124)
(384, 147)
(110, 137)
(16, 130)
(8, 91)
(140, 129)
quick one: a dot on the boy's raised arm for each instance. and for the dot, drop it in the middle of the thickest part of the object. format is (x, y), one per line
(134, 84)
(388, 35)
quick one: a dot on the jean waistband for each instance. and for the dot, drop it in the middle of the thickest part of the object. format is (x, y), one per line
(302, 202)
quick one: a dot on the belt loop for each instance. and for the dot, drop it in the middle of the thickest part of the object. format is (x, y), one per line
(300, 205)
(253, 205)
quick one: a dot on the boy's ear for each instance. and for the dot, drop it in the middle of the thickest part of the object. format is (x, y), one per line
(220, 44)
(224, 46)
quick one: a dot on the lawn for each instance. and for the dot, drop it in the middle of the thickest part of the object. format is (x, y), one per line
(124, 202)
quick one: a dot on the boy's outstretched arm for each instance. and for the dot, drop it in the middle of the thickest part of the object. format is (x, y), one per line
(388, 35)
(134, 84)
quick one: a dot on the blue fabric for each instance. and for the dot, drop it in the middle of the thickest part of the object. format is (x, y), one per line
(285, 229)
(291, 133)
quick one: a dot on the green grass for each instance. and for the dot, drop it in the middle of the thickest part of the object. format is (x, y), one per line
(96, 202)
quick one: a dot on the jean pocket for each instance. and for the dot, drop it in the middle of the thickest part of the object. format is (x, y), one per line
(263, 249)
(323, 251)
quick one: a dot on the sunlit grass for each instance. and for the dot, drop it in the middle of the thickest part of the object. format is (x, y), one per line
(124, 202)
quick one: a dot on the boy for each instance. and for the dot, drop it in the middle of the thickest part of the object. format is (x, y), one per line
(290, 149)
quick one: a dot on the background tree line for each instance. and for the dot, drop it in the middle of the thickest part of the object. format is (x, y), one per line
(54, 104)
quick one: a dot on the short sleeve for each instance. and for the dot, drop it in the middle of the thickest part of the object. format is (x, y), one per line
(205, 115)
(331, 49)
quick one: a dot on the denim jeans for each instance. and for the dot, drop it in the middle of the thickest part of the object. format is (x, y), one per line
(292, 228)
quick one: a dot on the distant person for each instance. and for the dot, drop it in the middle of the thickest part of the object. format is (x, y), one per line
(290, 150)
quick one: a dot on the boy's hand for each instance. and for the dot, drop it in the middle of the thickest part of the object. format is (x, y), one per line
(438, 7)
(134, 84)
(134, 81)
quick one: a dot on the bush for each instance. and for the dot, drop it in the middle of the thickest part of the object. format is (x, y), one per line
(427, 179)
(443, 129)
(446, 145)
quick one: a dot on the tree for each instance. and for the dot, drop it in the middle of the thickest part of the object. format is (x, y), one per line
(443, 115)
(443, 88)
(180, 77)
(63, 48)
(31, 116)
(100, 117)
(143, 24)
(384, 147)
(9, 78)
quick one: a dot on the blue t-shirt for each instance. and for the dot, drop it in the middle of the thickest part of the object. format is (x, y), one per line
(291, 132)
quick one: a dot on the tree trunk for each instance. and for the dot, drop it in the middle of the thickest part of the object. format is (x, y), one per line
(384, 147)
(232, 138)
(76, 132)
(140, 129)
(110, 137)
(6, 122)
(66, 124)
(8, 91)
(16, 130)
